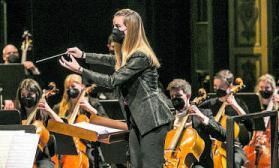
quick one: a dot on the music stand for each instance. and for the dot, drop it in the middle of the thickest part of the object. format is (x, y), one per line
(65, 144)
(10, 77)
(113, 109)
(8, 117)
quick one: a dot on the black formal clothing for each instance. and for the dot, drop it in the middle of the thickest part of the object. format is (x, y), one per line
(137, 84)
(213, 129)
(214, 104)
(148, 117)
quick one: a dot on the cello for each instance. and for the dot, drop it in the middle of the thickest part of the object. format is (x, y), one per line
(40, 128)
(218, 147)
(183, 145)
(80, 160)
(258, 150)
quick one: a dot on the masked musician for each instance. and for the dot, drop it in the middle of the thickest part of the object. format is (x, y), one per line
(202, 120)
(72, 89)
(28, 95)
(223, 83)
(10, 54)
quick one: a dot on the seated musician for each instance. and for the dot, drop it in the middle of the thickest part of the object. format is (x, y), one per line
(10, 54)
(72, 89)
(202, 120)
(28, 94)
(269, 98)
(223, 82)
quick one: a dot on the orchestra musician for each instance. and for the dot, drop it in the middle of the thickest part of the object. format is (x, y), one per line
(72, 89)
(136, 81)
(10, 54)
(202, 119)
(223, 82)
(28, 95)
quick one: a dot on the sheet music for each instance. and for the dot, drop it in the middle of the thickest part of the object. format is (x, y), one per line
(6, 138)
(17, 149)
(97, 128)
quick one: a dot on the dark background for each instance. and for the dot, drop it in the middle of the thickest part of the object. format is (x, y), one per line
(57, 25)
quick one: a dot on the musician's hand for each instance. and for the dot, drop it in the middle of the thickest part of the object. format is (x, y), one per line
(71, 65)
(43, 105)
(231, 101)
(9, 105)
(76, 52)
(276, 98)
(84, 104)
(194, 111)
(30, 66)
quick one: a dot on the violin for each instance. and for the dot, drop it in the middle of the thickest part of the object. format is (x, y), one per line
(80, 160)
(40, 128)
(218, 147)
(183, 145)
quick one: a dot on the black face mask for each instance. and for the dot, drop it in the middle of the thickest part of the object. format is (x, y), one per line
(118, 35)
(28, 101)
(178, 103)
(221, 92)
(13, 59)
(73, 93)
(266, 93)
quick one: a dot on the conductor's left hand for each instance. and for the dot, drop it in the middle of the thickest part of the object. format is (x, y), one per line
(72, 65)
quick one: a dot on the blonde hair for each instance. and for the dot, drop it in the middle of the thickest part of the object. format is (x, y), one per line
(65, 104)
(135, 40)
(267, 78)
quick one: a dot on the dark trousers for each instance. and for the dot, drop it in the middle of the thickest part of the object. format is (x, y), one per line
(148, 150)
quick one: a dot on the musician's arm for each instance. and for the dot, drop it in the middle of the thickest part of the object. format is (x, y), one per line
(214, 128)
(235, 105)
(43, 105)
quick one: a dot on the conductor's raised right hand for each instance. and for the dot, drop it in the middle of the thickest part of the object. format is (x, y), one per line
(76, 52)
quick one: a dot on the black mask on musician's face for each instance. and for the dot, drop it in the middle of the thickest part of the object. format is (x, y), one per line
(178, 103)
(118, 35)
(28, 101)
(220, 92)
(13, 59)
(73, 93)
(266, 93)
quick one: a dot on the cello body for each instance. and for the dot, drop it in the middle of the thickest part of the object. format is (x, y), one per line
(187, 151)
(258, 152)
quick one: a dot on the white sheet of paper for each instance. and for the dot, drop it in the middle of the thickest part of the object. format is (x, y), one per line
(6, 138)
(18, 149)
(97, 128)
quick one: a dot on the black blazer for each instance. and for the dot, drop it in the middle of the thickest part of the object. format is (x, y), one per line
(137, 85)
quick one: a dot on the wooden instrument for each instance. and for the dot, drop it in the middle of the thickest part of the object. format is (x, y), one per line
(183, 145)
(218, 147)
(26, 46)
(80, 160)
(258, 150)
(40, 128)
